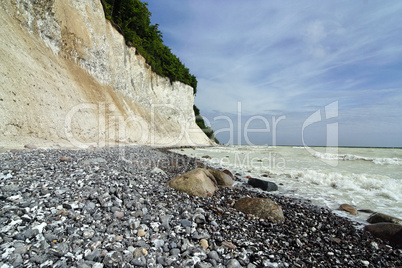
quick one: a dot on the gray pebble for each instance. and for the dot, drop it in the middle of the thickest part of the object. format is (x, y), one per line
(186, 223)
(174, 251)
(233, 263)
(141, 261)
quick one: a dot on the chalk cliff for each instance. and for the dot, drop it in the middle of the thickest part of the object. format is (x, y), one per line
(67, 77)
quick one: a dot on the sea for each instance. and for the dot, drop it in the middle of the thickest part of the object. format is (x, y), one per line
(367, 178)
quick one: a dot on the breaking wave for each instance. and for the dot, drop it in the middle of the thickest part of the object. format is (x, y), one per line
(351, 157)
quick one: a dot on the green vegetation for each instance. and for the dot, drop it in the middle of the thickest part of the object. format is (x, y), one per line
(132, 19)
(200, 122)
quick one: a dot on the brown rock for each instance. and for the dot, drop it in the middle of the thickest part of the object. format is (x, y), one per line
(379, 217)
(386, 231)
(349, 209)
(335, 239)
(228, 244)
(204, 243)
(260, 207)
(141, 233)
(221, 177)
(140, 252)
(65, 159)
(197, 182)
(30, 146)
(118, 238)
(229, 173)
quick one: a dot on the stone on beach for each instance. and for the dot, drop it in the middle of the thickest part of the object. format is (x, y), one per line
(197, 182)
(263, 185)
(349, 208)
(204, 243)
(30, 146)
(65, 159)
(260, 207)
(379, 217)
(229, 173)
(386, 231)
(221, 177)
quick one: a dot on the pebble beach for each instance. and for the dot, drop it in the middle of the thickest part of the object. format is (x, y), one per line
(111, 207)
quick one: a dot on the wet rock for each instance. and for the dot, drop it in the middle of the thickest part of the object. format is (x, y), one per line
(260, 207)
(349, 208)
(386, 231)
(263, 185)
(380, 217)
(229, 173)
(197, 182)
(366, 210)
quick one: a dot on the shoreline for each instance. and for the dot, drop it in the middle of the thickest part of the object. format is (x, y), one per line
(246, 163)
(112, 206)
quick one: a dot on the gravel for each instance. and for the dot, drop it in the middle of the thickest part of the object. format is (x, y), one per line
(111, 207)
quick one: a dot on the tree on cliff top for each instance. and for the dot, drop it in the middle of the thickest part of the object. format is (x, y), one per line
(132, 19)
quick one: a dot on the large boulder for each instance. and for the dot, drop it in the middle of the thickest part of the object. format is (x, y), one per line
(386, 231)
(222, 178)
(379, 217)
(260, 207)
(263, 185)
(197, 182)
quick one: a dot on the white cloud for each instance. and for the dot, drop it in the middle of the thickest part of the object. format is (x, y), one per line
(290, 57)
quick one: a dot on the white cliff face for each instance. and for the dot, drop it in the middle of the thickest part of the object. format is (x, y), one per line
(77, 80)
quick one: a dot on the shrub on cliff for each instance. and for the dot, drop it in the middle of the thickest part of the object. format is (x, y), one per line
(200, 122)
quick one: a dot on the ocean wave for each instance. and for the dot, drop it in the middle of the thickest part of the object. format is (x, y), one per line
(362, 185)
(351, 157)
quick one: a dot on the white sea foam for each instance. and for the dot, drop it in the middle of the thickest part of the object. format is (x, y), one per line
(351, 157)
(368, 178)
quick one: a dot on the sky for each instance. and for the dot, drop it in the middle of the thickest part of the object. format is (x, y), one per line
(285, 72)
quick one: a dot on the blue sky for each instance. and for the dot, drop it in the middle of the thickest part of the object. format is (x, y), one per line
(290, 59)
